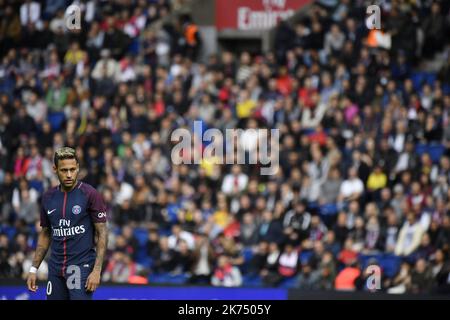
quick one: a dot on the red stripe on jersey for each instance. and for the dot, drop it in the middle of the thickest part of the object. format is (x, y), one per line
(64, 240)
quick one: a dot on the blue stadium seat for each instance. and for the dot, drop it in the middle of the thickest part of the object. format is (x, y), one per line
(172, 211)
(178, 279)
(248, 254)
(389, 263)
(430, 78)
(116, 230)
(167, 278)
(37, 185)
(141, 236)
(446, 88)
(251, 280)
(329, 209)
(308, 132)
(9, 231)
(56, 120)
(420, 78)
(417, 79)
(421, 148)
(143, 259)
(134, 47)
(312, 205)
(304, 256)
(436, 151)
(288, 283)
(158, 278)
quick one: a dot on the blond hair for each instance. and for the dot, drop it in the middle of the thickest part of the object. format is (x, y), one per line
(64, 153)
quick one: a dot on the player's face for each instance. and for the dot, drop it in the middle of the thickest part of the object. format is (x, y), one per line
(67, 171)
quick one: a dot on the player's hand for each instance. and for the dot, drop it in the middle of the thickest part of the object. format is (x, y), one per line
(31, 282)
(93, 281)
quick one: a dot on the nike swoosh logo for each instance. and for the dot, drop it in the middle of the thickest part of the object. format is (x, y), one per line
(48, 212)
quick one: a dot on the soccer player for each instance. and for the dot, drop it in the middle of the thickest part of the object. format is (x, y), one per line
(73, 221)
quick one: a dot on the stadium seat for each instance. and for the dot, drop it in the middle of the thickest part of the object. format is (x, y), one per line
(248, 254)
(304, 256)
(389, 263)
(436, 151)
(141, 236)
(134, 47)
(421, 148)
(117, 230)
(288, 283)
(178, 279)
(143, 259)
(56, 120)
(313, 205)
(446, 88)
(10, 231)
(172, 211)
(329, 209)
(420, 78)
(158, 278)
(251, 280)
(167, 278)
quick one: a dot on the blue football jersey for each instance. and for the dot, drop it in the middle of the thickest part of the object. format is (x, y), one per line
(71, 217)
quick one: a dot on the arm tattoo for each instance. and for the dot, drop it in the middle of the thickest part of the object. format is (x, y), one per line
(42, 247)
(102, 242)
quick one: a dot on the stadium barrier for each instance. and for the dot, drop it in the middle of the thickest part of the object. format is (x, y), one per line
(16, 290)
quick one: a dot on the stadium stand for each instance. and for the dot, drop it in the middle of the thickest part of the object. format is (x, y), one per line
(364, 144)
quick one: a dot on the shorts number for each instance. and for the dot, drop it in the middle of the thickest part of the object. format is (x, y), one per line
(49, 288)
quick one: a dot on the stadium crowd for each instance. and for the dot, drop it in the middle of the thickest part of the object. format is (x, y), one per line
(364, 167)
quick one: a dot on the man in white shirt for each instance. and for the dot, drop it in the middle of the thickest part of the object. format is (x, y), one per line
(352, 187)
(234, 182)
(409, 236)
(179, 234)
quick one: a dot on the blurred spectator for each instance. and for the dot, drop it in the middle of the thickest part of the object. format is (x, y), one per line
(183, 259)
(346, 278)
(269, 272)
(287, 263)
(179, 235)
(409, 236)
(120, 268)
(234, 182)
(165, 260)
(364, 140)
(203, 259)
(420, 277)
(351, 188)
(225, 274)
(402, 280)
(259, 258)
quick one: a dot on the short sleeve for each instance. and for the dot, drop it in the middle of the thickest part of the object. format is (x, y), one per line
(97, 207)
(44, 217)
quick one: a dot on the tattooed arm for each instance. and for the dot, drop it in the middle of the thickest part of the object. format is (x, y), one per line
(101, 234)
(43, 244)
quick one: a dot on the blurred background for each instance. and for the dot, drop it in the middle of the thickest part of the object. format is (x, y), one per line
(364, 120)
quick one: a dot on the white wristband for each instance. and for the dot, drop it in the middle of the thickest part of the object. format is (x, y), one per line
(33, 269)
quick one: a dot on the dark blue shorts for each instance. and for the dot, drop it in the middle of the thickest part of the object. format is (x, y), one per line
(71, 286)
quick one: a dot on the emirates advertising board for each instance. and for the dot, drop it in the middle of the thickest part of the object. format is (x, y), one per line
(254, 14)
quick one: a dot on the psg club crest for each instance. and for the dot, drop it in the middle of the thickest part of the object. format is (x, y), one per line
(76, 209)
